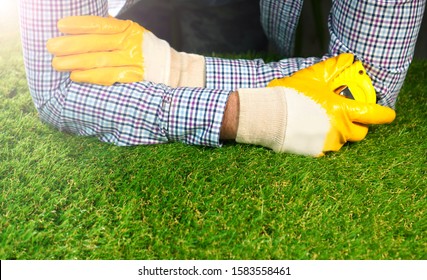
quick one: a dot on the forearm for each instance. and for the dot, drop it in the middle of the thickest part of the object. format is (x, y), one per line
(38, 24)
(232, 74)
(382, 34)
(230, 121)
(124, 114)
(144, 113)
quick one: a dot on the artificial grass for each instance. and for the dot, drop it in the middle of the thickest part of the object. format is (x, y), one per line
(69, 197)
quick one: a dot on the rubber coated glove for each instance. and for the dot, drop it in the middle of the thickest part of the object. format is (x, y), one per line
(104, 51)
(315, 119)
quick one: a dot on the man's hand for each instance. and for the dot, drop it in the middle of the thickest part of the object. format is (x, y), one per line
(105, 51)
(319, 120)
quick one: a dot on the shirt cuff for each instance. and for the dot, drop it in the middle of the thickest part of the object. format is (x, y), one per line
(195, 115)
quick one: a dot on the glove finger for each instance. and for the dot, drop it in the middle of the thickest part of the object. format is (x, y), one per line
(326, 70)
(92, 25)
(87, 61)
(108, 76)
(334, 66)
(366, 113)
(68, 45)
(358, 132)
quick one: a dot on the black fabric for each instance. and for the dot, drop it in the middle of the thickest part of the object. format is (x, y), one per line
(203, 26)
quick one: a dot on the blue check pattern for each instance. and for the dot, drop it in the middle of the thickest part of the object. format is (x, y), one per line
(380, 33)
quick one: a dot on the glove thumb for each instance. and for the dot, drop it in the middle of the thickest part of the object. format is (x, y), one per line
(78, 25)
(366, 113)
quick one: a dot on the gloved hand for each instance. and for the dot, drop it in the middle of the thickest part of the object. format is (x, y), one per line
(316, 120)
(107, 50)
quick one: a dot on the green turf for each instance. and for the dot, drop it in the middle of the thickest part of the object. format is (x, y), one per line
(68, 197)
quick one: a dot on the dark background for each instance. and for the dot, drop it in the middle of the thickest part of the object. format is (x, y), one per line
(233, 26)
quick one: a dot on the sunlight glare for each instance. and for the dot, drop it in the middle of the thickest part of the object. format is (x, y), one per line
(8, 16)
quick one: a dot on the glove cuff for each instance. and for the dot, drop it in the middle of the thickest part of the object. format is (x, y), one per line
(282, 119)
(262, 117)
(187, 70)
(157, 59)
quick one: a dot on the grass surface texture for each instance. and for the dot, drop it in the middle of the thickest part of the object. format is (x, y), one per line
(69, 197)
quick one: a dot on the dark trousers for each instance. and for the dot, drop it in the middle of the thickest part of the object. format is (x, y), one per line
(203, 26)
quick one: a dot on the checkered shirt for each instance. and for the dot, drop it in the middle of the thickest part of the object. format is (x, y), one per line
(380, 33)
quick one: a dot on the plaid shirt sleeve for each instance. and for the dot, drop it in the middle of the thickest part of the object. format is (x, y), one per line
(115, 6)
(382, 34)
(124, 114)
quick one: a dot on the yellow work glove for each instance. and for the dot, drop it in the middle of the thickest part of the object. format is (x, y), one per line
(105, 51)
(301, 114)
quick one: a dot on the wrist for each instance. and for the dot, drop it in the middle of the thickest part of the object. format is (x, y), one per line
(230, 120)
